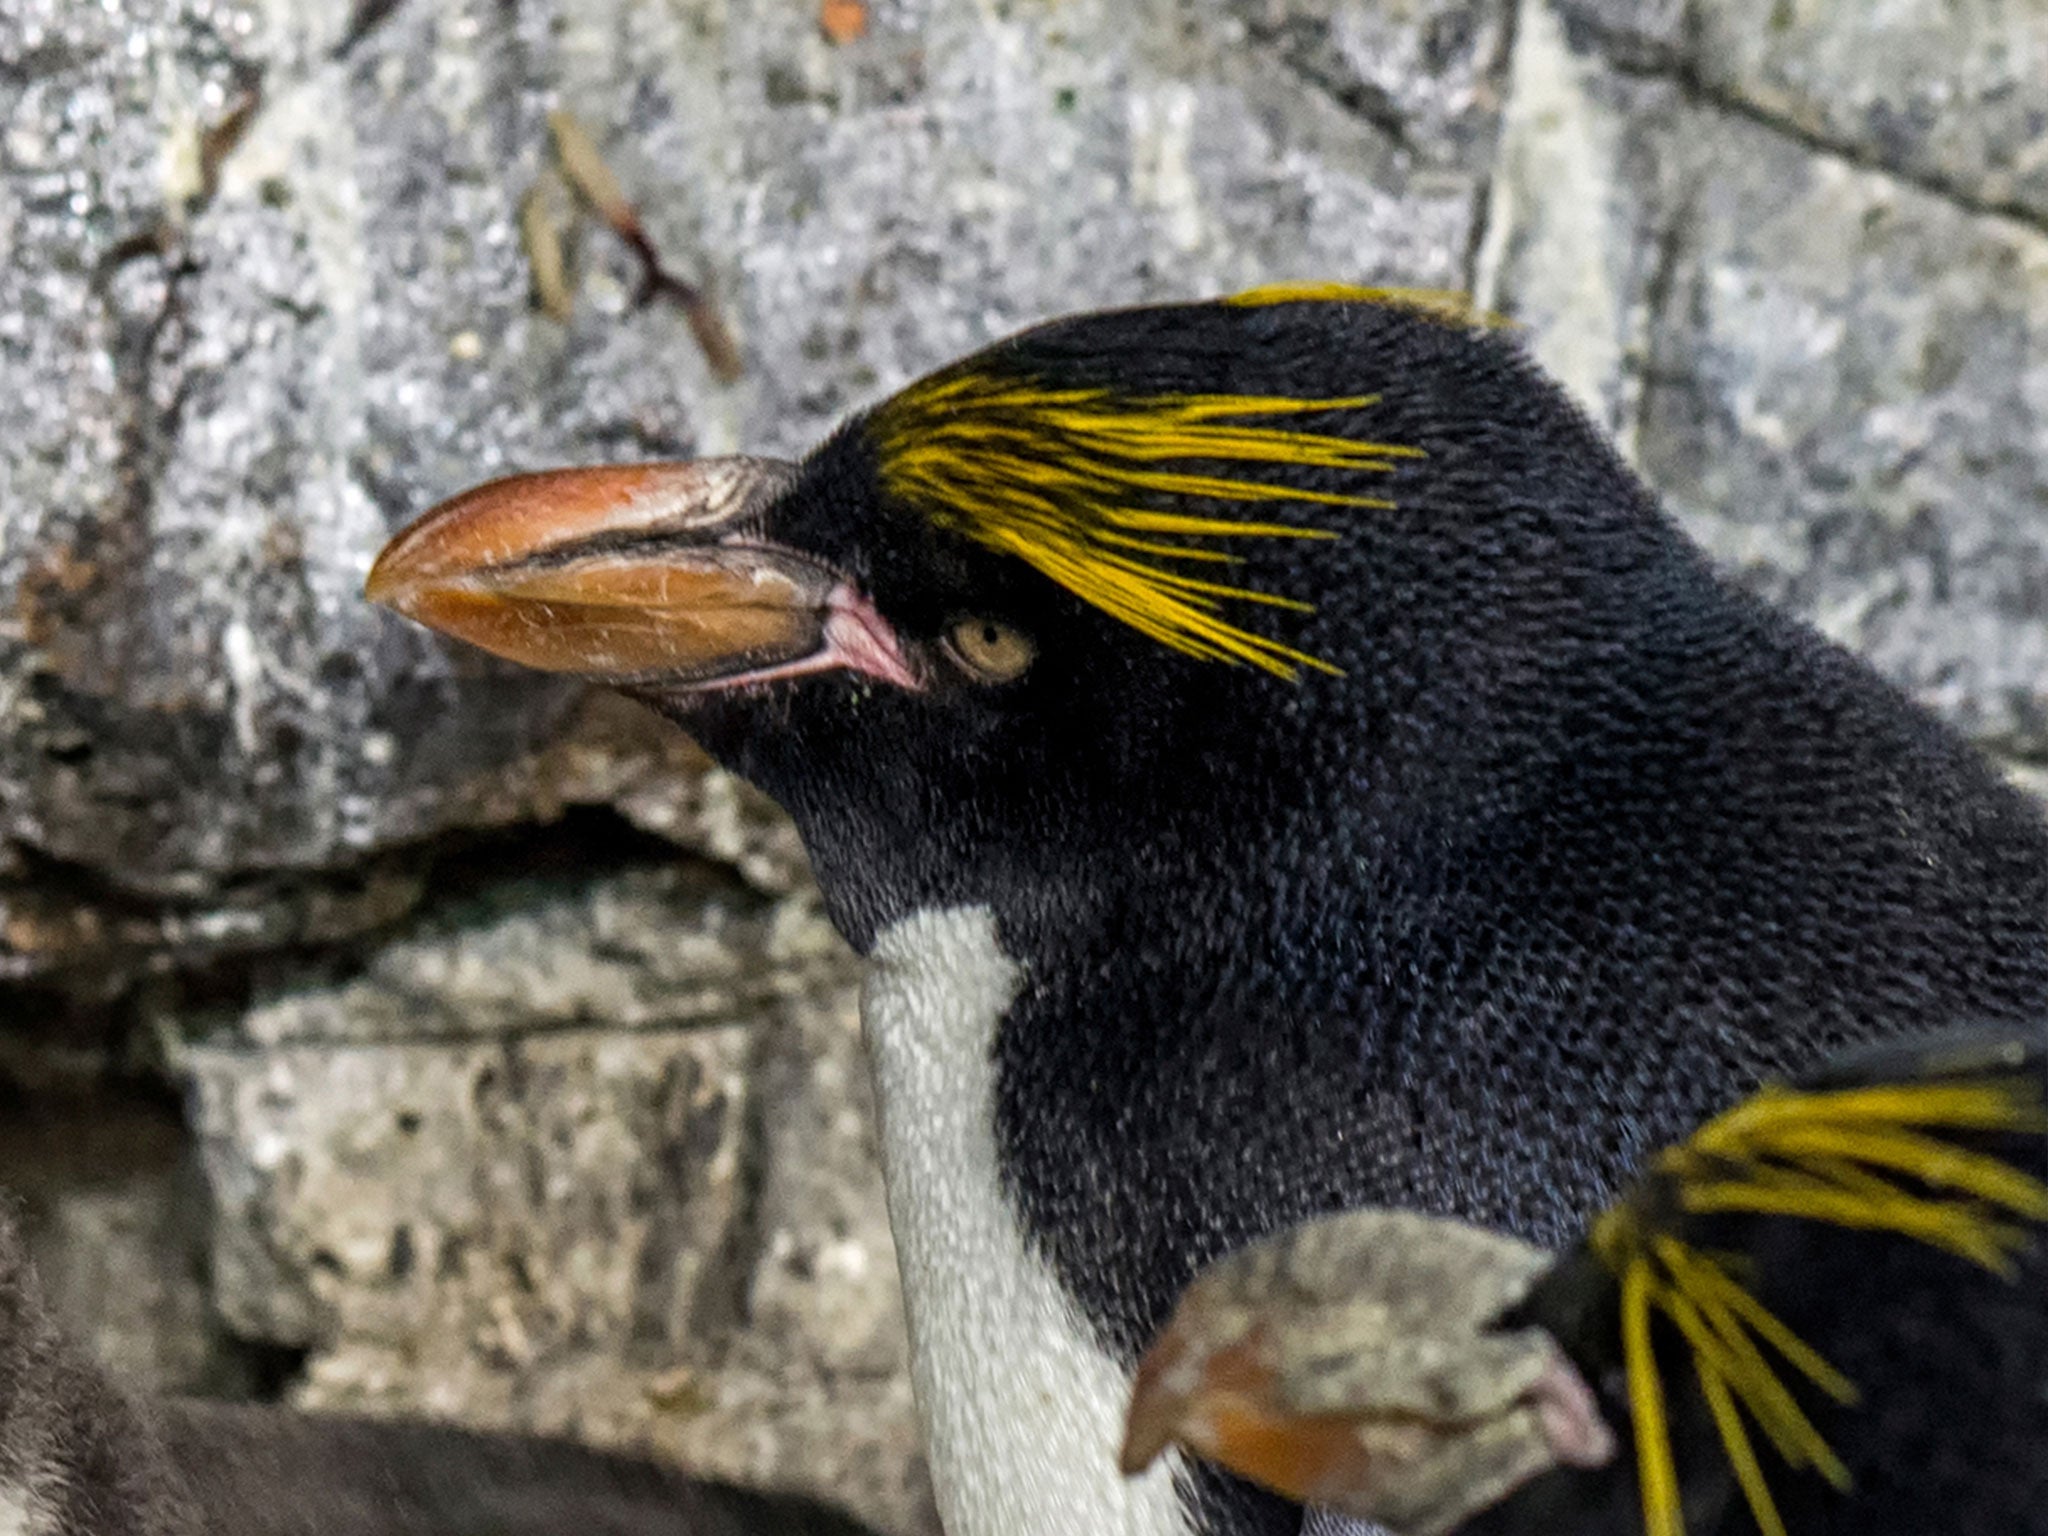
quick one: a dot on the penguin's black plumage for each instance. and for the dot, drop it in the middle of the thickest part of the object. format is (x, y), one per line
(1826, 1310)
(77, 1458)
(1279, 759)
(260, 1471)
(80, 1457)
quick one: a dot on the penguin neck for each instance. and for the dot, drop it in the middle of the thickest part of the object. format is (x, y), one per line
(1021, 1400)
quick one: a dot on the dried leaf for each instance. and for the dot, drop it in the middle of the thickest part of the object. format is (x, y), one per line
(713, 339)
(218, 139)
(842, 21)
(588, 173)
(540, 230)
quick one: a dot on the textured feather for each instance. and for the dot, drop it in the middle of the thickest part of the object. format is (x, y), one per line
(1112, 494)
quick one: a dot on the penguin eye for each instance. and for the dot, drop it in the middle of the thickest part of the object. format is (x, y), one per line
(994, 653)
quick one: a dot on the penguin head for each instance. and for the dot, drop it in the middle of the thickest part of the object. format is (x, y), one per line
(1814, 1279)
(1162, 580)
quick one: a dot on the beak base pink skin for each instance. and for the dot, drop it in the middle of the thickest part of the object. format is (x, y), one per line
(650, 574)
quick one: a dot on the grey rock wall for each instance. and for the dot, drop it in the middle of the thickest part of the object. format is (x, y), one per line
(591, 1156)
(331, 1079)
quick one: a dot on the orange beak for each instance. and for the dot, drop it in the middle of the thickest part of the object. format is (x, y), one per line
(1225, 1404)
(1354, 1363)
(641, 574)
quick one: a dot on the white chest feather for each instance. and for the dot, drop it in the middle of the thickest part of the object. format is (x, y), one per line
(1023, 1412)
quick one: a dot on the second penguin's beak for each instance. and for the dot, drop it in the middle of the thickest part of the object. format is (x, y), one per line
(640, 575)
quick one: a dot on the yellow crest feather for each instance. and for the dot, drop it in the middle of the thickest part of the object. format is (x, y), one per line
(1445, 304)
(1873, 1158)
(1080, 483)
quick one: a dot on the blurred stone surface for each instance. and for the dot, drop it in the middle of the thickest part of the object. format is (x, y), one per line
(581, 1142)
(590, 1156)
(115, 1214)
(1832, 360)
(1848, 403)
(1952, 96)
